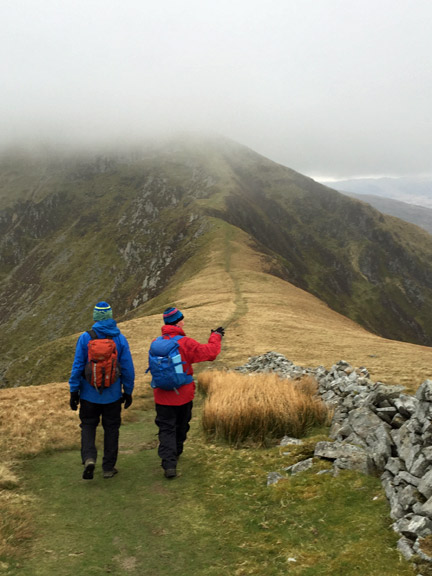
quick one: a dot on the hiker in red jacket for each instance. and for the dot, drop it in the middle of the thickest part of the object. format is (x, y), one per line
(174, 407)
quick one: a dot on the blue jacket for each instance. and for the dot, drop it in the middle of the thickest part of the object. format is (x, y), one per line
(126, 381)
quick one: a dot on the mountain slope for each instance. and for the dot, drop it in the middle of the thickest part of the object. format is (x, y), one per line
(418, 215)
(411, 190)
(372, 268)
(232, 286)
(123, 227)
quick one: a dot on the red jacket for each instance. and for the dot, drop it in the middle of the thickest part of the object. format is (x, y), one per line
(191, 351)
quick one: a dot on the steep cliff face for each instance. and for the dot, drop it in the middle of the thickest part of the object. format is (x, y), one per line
(77, 229)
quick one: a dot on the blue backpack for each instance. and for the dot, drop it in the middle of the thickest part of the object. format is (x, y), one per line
(166, 365)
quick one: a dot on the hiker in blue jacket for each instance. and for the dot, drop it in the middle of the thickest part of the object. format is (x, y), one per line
(106, 402)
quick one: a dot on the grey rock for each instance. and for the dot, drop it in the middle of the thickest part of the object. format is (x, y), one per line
(405, 547)
(408, 478)
(301, 466)
(408, 497)
(394, 465)
(274, 477)
(423, 412)
(356, 461)
(390, 410)
(425, 485)
(340, 431)
(345, 456)
(424, 509)
(333, 450)
(288, 441)
(407, 444)
(424, 392)
(420, 465)
(413, 526)
(386, 414)
(406, 405)
(415, 426)
(329, 397)
(427, 453)
(380, 446)
(383, 392)
(396, 510)
(363, 422)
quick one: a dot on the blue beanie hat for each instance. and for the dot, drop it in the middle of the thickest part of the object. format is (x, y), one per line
(172, 316)
(102, 311)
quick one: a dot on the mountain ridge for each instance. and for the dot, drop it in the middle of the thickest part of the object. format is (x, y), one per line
(123, 227)
(413, 213)
(412, 190)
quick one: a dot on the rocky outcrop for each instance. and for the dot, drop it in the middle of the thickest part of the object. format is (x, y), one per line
(376, 429)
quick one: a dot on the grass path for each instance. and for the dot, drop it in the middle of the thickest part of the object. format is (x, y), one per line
(218, 518)
(135, 523)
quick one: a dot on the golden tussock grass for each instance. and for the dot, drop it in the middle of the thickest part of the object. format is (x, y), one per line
(38, 419)
(259, 407)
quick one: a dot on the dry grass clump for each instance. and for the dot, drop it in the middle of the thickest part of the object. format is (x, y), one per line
(35, 419)
(259, 407)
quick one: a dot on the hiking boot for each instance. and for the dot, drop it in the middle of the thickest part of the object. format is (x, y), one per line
(110, 473)
(170, 473)
(89, 466)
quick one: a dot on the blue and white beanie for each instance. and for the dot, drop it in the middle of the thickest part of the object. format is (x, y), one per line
(172, 316)
(102, 311)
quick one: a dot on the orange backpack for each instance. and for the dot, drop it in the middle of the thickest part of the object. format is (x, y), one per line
(102, 368)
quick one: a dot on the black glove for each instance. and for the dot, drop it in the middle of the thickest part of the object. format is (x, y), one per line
(220, 331)
(127, 399)
(74, 400)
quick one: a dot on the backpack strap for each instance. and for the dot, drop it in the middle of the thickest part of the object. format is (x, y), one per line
(94, 336)
(177, 337)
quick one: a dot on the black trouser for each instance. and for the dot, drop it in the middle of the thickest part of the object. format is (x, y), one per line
(173, 424)
(90, 414)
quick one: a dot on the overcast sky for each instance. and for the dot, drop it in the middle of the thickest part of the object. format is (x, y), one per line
(330, 88)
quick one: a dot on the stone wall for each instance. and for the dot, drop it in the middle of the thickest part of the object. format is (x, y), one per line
(376, 429)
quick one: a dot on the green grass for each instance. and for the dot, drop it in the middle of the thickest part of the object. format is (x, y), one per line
(218, 517)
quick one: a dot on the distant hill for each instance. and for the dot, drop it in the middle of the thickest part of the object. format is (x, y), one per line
(125, 226)
(418, 215)
(416, 191)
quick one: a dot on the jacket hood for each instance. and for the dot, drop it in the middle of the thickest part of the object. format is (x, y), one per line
(106, 327)
(170, 330)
